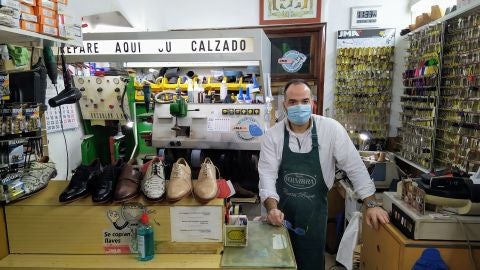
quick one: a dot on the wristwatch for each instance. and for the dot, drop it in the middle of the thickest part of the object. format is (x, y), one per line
(372, 204)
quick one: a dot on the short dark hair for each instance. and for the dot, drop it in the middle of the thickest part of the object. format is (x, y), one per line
(296, 82)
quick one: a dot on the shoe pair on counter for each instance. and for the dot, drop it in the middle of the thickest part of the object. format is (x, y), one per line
(119, 181)
(180, 184)
(122, 182)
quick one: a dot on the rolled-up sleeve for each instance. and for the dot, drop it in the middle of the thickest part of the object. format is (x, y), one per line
(348, 159)
(268, 165)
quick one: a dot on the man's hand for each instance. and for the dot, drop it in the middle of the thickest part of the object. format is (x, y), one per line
(375, 216)
(275, 217)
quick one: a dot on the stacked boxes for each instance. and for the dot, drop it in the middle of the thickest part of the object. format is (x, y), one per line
(9, 13)
(48, 17)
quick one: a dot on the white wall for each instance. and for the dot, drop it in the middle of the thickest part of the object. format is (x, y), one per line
(56, 143)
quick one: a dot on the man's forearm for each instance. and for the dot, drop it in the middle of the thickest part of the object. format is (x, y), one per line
(270, 203)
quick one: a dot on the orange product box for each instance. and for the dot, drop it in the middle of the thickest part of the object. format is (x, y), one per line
(41, 11)
(30, 26)
(29, 2)
(29, 17)
(27, 9)
(61, 8)
(48, 30)
(47, 21)
(47, 4)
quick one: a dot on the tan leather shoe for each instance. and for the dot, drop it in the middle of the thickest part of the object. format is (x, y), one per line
(180, 184)
(205, 188)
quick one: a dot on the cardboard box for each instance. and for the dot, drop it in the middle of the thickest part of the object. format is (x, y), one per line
(8, 66)
(236, 231)
(30, 26)
(8, 11)
(29, 2)
(27, 9)
(29, 17)
(47, 4)
(47, 21)
(48, 30)
(10, 3)
(41, 11)
(61, 8)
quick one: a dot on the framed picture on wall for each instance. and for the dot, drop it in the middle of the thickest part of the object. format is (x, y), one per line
(289, 11)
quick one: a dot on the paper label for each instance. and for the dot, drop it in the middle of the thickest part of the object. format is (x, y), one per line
(196, 224)
(279, 241)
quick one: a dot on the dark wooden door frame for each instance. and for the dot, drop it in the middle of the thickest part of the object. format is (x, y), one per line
(318, 31)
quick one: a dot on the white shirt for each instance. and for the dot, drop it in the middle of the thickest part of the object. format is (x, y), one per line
(335, 148)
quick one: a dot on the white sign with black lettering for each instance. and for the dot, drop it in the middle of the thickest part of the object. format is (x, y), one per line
(196, 224)
(163, 46)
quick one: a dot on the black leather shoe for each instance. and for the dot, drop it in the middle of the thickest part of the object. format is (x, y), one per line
(102, 189)
(81, 182)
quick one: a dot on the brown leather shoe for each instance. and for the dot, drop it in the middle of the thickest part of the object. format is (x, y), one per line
(128, 185)
(180, 184)
(205, 188)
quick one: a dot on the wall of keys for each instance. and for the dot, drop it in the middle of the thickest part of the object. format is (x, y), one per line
(363, 91)
(420, 95)
(458, 126)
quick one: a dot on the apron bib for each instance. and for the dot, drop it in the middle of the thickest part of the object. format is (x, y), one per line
(303, 200)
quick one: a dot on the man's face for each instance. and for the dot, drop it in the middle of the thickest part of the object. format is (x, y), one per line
(298, 94)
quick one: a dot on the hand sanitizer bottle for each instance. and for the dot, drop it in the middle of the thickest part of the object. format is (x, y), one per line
(146, 245)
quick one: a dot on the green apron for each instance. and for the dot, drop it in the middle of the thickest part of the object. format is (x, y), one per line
(303, 200)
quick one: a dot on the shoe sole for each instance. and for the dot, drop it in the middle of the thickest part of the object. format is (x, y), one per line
(179, 198)
(127, 198)
(202, 200)
(76, 199)
(153, 199)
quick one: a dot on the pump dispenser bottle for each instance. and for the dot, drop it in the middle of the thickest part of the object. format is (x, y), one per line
(146, 246)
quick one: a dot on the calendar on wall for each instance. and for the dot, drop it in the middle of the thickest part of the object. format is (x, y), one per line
(69, 116)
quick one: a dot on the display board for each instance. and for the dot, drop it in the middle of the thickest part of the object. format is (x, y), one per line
(364, 83)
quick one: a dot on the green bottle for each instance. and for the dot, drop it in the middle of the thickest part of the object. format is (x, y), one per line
(146, 245)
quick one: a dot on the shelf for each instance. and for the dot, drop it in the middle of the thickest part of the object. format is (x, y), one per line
(423, 169)
(19, 36)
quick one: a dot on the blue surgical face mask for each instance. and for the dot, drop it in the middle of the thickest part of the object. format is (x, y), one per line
(299, 114)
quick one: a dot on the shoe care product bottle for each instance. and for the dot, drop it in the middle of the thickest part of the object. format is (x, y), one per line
(191, 97)
(223, 89)
(146, 246)
(240, 95)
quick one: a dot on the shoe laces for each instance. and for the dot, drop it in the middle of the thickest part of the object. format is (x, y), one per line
(157, 166)
(205, 170)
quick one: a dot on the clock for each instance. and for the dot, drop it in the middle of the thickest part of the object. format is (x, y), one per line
(365, 17)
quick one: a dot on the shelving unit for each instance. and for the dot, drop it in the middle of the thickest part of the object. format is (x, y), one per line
(420, 99)
(19, 36)
(458, 127)
(441, 118)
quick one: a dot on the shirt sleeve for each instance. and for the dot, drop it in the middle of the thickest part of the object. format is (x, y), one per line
(348, 159)
(268, 166)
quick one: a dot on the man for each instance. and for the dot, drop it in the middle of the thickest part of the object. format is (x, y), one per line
(297, 167)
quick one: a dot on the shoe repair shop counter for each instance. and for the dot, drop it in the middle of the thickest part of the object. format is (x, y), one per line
(45, 234)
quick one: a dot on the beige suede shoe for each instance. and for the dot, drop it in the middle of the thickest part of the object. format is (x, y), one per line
(205, 188)
(180, 184)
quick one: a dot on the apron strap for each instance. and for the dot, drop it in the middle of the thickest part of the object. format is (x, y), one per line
(314, 135)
